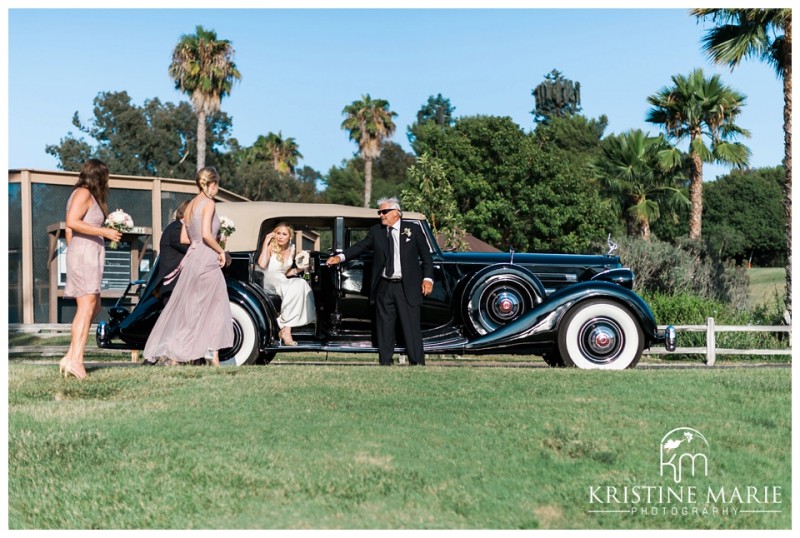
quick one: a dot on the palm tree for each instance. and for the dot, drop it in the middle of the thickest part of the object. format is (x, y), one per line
(744, 33)
(203, 68)
(283, 153)
(632, 169)
(369, 123)
(695, 108)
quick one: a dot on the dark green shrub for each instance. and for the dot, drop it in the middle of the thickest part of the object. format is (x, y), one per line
(684, 269)
(686, 308)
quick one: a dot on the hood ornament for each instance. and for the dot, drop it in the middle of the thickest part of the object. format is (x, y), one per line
(612, 246)
(511, 251)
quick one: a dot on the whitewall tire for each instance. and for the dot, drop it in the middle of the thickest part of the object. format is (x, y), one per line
(600, 334)
(245, 339)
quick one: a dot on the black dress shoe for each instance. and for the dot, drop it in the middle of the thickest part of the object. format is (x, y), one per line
(148, 363)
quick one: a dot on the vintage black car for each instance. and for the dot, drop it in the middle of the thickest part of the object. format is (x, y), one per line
(574, 310)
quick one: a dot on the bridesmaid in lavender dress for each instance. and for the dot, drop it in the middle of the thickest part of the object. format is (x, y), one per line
(86, 212)
(197, 320)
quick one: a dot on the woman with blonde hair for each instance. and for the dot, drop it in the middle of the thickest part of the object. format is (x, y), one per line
(197, 320)
(277, 259)
(87, 209)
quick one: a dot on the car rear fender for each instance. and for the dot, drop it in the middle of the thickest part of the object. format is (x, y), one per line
(257, 305)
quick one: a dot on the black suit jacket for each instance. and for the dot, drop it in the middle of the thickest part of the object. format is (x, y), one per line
(170, 253)
(416, 262)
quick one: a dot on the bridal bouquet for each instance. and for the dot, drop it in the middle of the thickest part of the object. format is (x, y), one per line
(301, 260)
(120, 221)
(226, 229)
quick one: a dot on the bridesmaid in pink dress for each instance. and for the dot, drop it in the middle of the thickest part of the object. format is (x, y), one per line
(86, 212)
(197, 319)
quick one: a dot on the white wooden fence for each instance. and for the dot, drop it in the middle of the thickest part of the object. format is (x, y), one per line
(711, 350)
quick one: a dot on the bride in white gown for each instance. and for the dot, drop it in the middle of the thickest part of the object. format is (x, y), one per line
(297, 300)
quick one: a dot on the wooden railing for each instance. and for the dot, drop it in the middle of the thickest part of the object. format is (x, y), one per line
(710, 350)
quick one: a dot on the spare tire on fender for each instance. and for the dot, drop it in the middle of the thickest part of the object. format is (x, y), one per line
(497, 295)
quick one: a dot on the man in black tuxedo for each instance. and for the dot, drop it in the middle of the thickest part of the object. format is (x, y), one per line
(171, 251)
(398, 280)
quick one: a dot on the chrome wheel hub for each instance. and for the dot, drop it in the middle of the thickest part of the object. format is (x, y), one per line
(601, 340)
(505, 306)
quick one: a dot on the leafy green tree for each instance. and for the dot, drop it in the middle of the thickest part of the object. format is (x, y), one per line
(389, 176)
(156, 139)
(672, 229)
(556, 97)
(389, 170)
(203, 68)
(563, 209)
(437, 111)
(369, 123)
(745, 33)
(740, 213)
(254, 179)
(309, 179)
(513, 192)
(632, 173)
(694, 108)
(258, 180)
(482, 158)
(344, 184)
(429, 192)
(250, 172)
(282, 152)
(575, 136)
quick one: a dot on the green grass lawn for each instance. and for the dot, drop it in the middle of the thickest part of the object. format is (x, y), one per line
(365, 447)
(767, 284)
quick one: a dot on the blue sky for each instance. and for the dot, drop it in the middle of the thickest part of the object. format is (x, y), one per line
(300, 67)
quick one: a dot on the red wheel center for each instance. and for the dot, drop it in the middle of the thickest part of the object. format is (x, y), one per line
(506, 305)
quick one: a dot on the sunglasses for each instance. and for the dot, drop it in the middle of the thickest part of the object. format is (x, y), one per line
(384, 211)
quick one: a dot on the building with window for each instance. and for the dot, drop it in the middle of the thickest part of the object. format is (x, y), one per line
(37, 203)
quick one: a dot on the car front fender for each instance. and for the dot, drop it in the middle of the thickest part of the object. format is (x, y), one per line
(541, 323)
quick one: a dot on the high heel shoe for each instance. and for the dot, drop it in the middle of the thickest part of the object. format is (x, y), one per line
(70, 369)
(286, 340)
(62, 364)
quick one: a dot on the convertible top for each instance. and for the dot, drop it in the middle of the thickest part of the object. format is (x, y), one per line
(248, 216)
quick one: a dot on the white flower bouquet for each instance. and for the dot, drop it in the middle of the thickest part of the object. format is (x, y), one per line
(302, 259)
(120, 221)
(226, 229)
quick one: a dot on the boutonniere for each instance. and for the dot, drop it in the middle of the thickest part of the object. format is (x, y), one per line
(407, 232)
